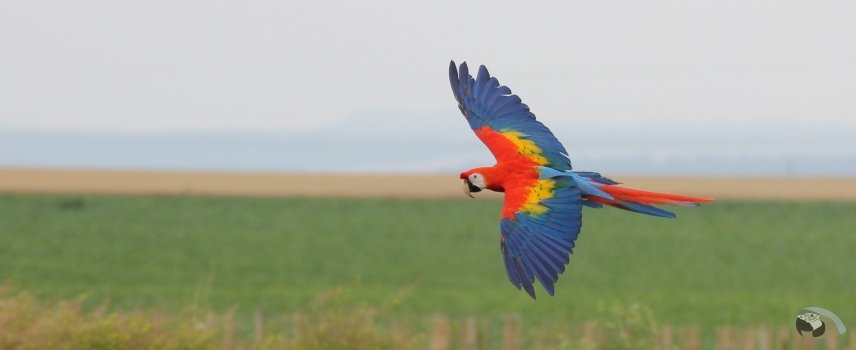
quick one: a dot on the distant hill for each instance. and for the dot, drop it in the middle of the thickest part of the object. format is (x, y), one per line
(440, 143)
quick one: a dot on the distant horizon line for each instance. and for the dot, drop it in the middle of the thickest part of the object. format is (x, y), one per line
(409, 173)
(415, 186)
(401, 146)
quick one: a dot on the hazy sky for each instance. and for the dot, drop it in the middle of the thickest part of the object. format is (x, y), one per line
(147, 65)
(776, 69)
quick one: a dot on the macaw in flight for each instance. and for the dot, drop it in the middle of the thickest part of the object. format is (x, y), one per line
(542, 213)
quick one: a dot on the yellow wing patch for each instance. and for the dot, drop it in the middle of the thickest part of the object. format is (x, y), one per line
(541, 190)
(525, 147)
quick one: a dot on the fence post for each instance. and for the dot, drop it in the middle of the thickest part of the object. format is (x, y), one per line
(804, 342)
(511, 333)
(469, 334)
(763, 338)
(259, 326)
(724, 339)
(440, 334)
(690, 338)
(750, 339)
(664, 340)
(783, 339)
(831, 339)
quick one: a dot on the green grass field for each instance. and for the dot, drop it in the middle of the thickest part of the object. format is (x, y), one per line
(727, 263)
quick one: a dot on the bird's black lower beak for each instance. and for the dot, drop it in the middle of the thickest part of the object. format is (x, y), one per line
(469, 187)
(473, 188)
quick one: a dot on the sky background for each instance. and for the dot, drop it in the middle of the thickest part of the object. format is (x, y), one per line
(656, 87)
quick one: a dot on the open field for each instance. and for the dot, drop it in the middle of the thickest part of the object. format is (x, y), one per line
(278, 244)
(727, 263)
(385, 185)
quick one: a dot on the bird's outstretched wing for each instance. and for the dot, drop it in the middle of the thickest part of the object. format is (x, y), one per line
(539, 223)
(503, 122)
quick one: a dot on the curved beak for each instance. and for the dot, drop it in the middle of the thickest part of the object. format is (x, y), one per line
(469, 188)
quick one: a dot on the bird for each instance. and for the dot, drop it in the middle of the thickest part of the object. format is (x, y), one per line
(541, 216)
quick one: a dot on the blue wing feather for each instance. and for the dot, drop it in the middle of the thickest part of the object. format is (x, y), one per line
(539, 246)
(597, 177)
(645, 209)
(484, 102)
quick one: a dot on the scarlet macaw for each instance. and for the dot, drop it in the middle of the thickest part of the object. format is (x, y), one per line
(542, 213)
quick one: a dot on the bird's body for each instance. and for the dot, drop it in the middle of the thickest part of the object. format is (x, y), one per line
(542, 213)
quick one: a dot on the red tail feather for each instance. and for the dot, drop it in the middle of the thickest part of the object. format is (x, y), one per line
(645, 197)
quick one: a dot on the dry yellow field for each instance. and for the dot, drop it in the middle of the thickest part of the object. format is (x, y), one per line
(385, 185)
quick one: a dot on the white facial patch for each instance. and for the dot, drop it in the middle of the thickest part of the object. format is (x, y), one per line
(812, 319)
(477, 180)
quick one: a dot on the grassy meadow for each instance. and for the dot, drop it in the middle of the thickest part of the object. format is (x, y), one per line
(726, 263)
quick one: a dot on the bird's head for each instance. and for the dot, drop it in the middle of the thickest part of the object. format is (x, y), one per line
(474, 181)
(810, 322)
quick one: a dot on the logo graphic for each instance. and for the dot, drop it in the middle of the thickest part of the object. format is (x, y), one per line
(811, 321)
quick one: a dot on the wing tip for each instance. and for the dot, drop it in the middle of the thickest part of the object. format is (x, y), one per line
(530, 289)
(483, 73)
